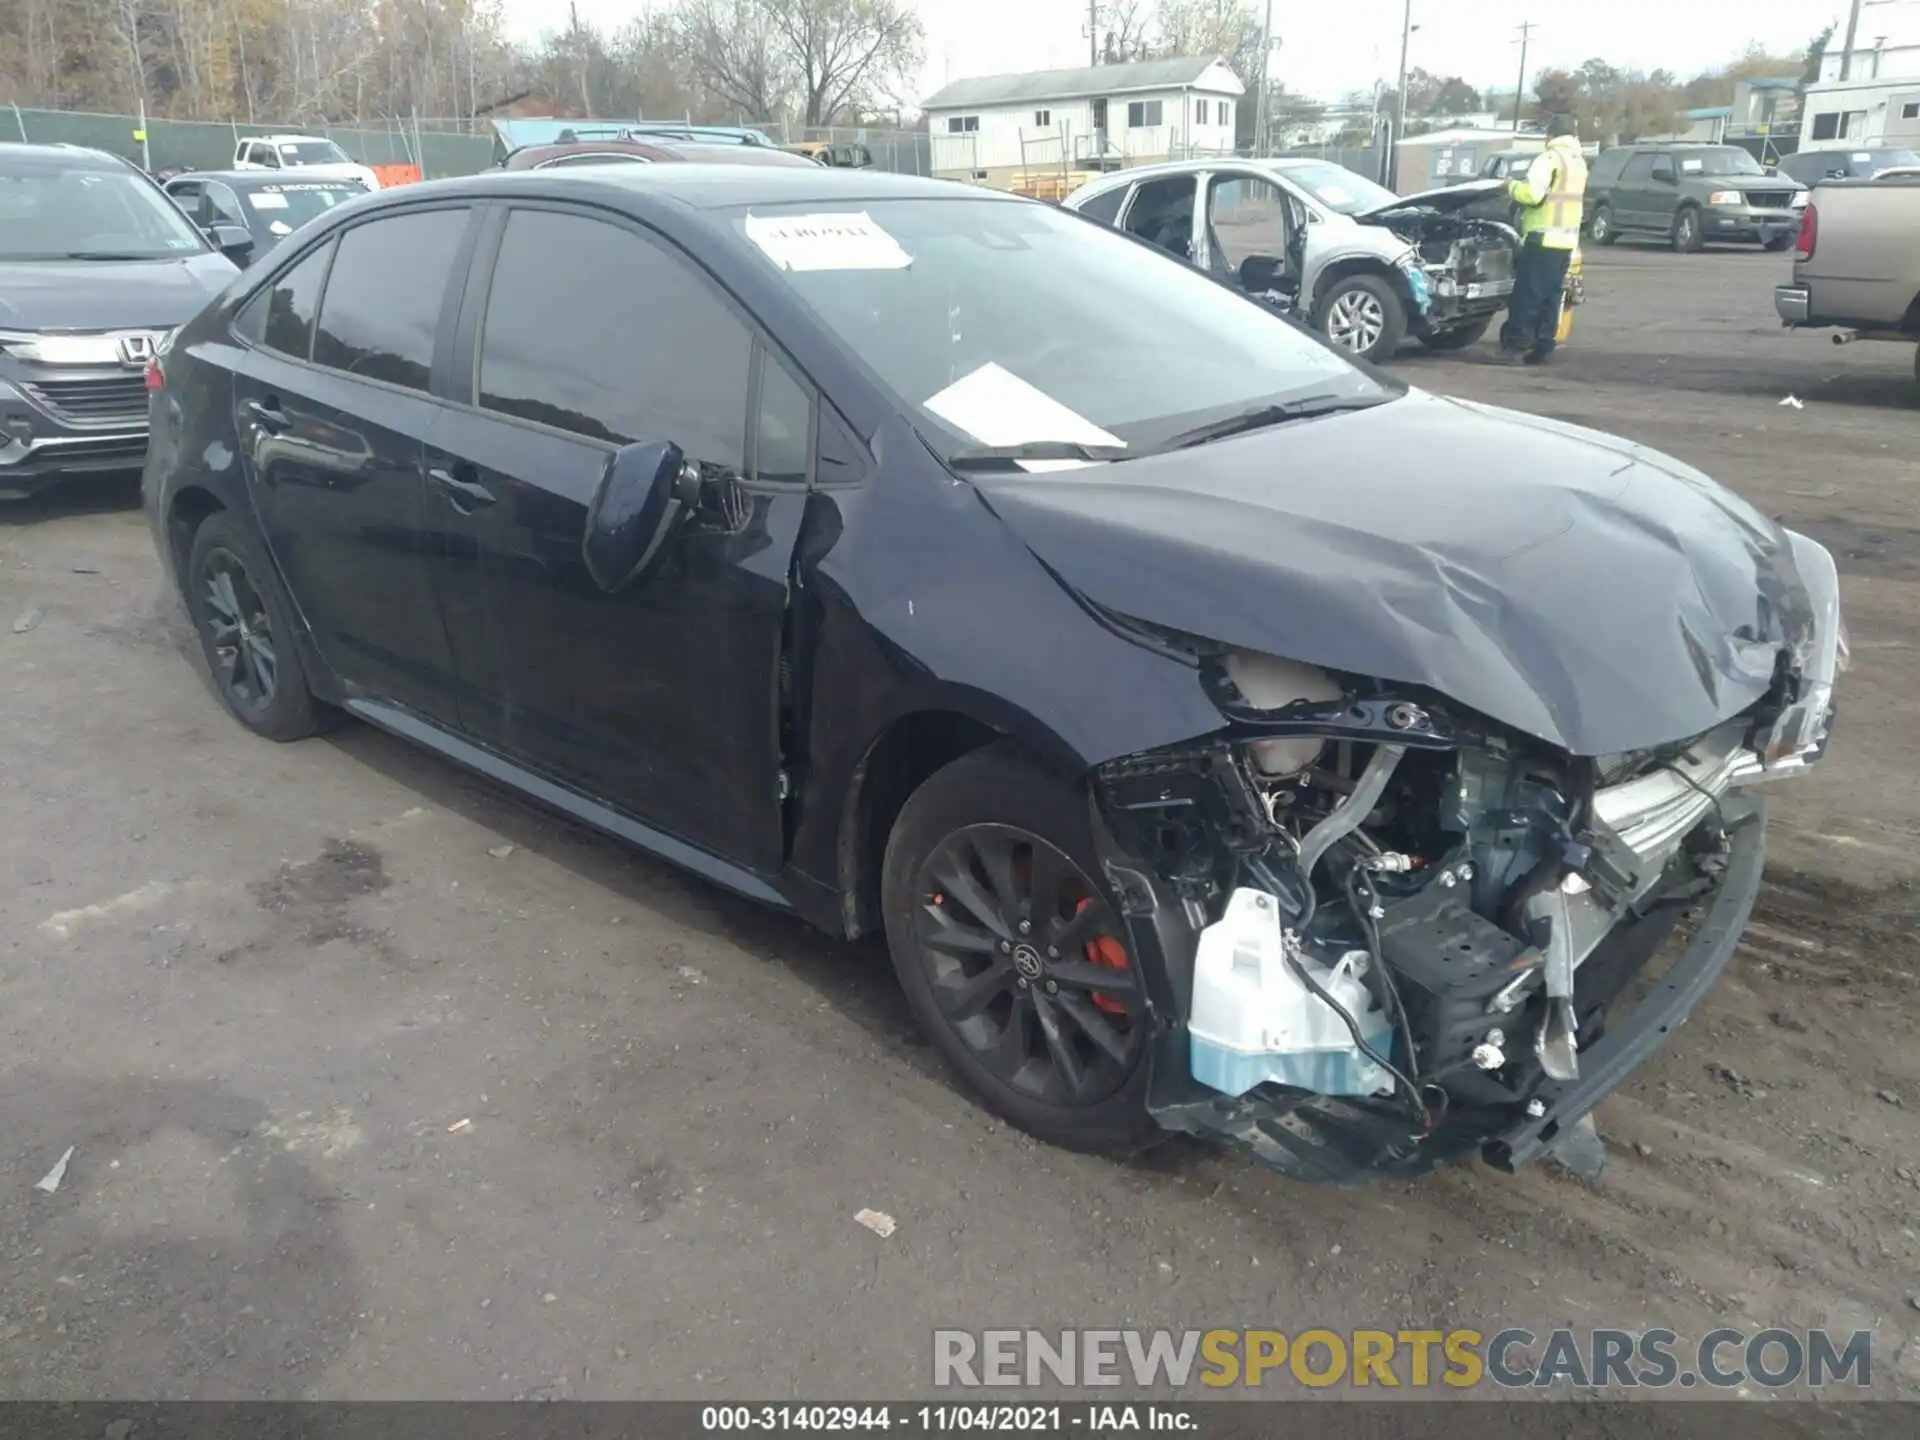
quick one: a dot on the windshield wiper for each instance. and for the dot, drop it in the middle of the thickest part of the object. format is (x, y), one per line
(1259, 417)
(110, 255)
(991, 457)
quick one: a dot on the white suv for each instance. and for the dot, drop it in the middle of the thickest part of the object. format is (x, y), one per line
(320, 159)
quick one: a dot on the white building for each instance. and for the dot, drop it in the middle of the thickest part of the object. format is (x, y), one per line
(1861, 114)
(988, 128)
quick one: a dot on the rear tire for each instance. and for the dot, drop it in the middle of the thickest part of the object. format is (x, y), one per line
(989, 844)
(1601, 228)
(1688, 236)
(1363, 315)
(246, 630)
(1460, 337)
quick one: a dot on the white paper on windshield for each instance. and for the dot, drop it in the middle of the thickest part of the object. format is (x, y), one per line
(267, 200)
(1693, 167)
(997, 407)
(848, 241)
(280, 227)
(1861, 157)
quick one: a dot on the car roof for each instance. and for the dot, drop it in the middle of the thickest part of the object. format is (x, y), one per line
(263, 179)
(699, 186)
(58, 157)
(286, 139)
(1190, 167)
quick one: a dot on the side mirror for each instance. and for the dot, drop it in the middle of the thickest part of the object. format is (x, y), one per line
(1260, 273)
(1663, 175)
(1773, 169)
(233, 241)
(642, 495)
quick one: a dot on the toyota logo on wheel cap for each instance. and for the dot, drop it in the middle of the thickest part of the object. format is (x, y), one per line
(1027, 961)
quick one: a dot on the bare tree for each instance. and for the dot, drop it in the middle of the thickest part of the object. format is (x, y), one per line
(844, 50)
(730, 48)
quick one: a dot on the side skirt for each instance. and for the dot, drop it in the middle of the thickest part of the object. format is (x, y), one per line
(568, 802)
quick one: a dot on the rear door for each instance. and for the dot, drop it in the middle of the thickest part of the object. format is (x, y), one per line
(332, 407)
(582, 332)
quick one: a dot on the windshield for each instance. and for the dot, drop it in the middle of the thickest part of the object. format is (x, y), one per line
(1338, 188)
(48, 214)
(1001, 324)
(1726, 160)
(294, 205)
(312, 152)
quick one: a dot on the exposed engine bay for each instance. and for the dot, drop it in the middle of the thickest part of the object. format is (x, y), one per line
(1465, 264)
(1406, 923)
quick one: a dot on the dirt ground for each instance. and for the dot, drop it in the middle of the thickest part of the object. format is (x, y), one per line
(381, 1084)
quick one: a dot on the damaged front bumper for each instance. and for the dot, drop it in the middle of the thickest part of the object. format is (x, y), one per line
(1340, 1139)
(1632, 1039)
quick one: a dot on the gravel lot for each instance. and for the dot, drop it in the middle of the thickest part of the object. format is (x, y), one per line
(259, 988)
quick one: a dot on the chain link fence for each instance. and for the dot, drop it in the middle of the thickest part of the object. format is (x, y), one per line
(210, 144)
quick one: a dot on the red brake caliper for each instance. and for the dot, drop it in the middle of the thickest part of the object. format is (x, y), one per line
(1104, 950)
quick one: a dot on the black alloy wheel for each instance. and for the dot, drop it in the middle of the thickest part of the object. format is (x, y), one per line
(1026, 962)
(245, 625)
(239, 633)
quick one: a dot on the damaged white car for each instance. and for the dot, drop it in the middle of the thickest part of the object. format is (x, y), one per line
(1365, 267)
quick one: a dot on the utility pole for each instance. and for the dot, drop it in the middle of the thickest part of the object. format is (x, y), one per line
(1400, 93)
(1853, 29)
(1260, 112)
(1520, 91)
(1093, 32)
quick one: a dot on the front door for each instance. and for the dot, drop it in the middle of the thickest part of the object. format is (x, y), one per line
(332, 409)
(1250, 233)
(660, 699)
(1633, 198)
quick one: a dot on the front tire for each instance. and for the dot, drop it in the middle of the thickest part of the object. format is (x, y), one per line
(1688, 236)
(1363, 315)
(245, 625)
(1602, 228)
(1460, 337)
(1012, 953)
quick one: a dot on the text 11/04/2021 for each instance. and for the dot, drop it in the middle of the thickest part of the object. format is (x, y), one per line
(952, 1418)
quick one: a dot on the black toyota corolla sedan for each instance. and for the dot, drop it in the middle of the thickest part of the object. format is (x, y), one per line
(1225, 738)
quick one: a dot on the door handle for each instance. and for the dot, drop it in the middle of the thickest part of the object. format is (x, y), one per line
(268, 415)
(461, 484)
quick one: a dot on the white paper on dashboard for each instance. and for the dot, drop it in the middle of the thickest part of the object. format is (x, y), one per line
(844, 241)
(997, 407)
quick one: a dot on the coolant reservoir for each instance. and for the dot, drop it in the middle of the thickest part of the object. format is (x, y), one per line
(1254, 1021)
(1268, 683)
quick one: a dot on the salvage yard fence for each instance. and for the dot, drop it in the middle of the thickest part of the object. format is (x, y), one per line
(432, 145)
(438, 146)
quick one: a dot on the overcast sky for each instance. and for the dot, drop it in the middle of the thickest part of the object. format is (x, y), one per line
(1327, 49)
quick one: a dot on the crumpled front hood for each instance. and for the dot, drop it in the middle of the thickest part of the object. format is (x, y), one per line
(1578, 587)
(1446, 199)
(109, 294)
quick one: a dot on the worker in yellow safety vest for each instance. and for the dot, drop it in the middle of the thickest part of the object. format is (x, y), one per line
(1551, 196)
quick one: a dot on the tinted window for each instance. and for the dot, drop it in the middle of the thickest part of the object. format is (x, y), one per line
(784, 433)
(280, 317)
(1105, 207)
(383, 298)
(592, 329)
(1608, 165)
(1640, 167)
